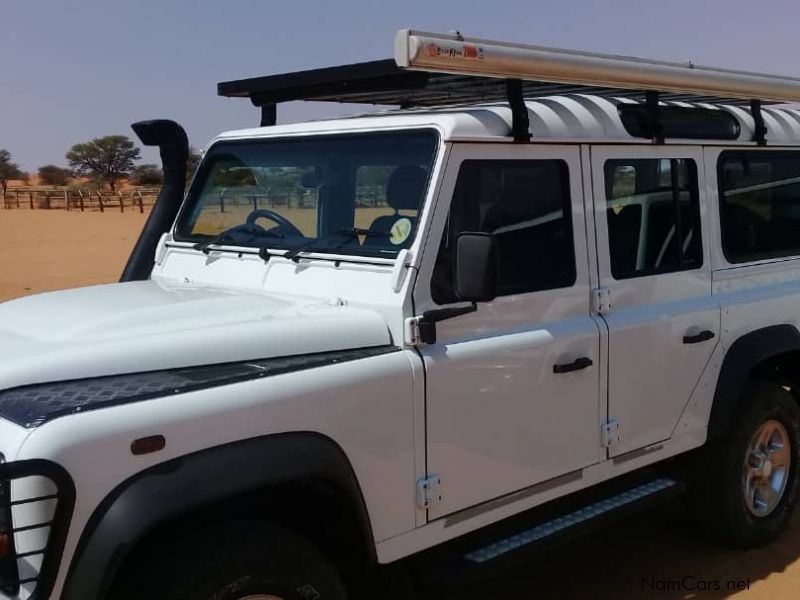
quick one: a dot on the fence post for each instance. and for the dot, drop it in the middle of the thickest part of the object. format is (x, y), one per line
(47, 199)
(121, 204)
(100, 200)
(222, 201)
(30, 199)
(141, 201)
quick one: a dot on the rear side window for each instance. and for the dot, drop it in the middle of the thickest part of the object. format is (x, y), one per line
(653, 216)
(759, 204)
(526, 205)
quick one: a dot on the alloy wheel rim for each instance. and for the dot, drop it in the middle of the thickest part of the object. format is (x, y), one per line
(766, 468)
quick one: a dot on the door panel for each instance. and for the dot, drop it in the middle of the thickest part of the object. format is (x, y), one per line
(499, 418)
(654, 304)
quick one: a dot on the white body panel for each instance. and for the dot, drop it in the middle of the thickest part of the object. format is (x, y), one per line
(364, 406)
(146, 326)
(482, 408)
(554, 119)
(652, 373)
(751, 296)
(494, 404)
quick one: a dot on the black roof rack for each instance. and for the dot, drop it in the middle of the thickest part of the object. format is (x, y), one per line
(382, 82)
(435, 70)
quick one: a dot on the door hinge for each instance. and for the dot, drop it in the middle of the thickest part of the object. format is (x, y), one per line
(429, 491)
(601, 300)
(610, 434)
(411, 331)
(422, 329)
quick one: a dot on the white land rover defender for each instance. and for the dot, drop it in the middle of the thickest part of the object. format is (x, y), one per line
(550, 289)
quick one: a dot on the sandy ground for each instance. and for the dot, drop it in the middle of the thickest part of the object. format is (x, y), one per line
(655, 555)
(50, 250)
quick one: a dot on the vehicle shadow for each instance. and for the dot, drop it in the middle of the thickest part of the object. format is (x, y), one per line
(653, 555)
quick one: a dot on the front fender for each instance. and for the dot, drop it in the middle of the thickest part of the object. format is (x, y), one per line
(163, 492)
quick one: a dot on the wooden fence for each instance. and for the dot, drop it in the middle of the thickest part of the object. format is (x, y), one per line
(35, 198)
(227, 198)
(79, 199)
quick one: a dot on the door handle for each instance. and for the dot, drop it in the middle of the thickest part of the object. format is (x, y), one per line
(575, 365)
(703, 336)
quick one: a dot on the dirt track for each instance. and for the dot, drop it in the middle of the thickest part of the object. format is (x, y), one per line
(653, 556)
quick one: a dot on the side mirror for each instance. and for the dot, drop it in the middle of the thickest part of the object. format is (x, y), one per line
(475, 274)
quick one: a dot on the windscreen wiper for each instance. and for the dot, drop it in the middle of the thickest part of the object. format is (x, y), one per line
(311, 245)
(251, 229)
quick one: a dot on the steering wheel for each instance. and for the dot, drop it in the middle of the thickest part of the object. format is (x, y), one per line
(283, 222)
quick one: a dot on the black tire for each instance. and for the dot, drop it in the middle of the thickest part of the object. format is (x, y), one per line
(235, 562)
(718, 489)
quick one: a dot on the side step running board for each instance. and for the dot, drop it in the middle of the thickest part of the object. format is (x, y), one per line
(572, 521)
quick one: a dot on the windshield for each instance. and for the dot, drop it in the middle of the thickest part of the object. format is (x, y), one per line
(355, 194)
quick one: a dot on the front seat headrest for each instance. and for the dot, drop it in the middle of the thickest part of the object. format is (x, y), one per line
(405, 188)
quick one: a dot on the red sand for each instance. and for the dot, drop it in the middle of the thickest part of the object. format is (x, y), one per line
(43, 250)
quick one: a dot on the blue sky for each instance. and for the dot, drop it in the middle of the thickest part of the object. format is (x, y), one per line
(70, 71)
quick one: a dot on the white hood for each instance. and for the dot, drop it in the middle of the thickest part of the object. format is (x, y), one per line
(144, 326)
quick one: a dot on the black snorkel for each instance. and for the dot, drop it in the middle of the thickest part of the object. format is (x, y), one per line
(174, 147)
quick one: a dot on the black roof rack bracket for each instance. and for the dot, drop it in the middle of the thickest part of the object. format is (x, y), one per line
(652, 101)
(759, 129)
(269, 114)
(520, 123)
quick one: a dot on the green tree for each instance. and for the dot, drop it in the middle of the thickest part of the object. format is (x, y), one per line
(54, 175)
(106, 159)
(8, 170)
(147, 174)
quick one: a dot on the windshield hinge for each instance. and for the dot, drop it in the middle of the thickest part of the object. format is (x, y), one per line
(401, 265)
(161, 248)
(609, 433)
(601, 300)
(429, 491)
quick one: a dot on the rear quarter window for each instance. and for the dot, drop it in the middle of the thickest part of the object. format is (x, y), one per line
(759, 204)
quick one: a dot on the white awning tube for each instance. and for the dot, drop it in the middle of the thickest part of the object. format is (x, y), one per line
(450, 53)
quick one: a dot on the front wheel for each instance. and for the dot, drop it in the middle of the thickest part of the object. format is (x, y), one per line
(251, 562)
(747, 485)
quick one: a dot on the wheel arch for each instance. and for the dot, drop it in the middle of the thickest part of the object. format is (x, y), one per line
(763, 352)
(203, 480)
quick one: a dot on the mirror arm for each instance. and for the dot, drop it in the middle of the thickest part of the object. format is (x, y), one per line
(427, 323)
